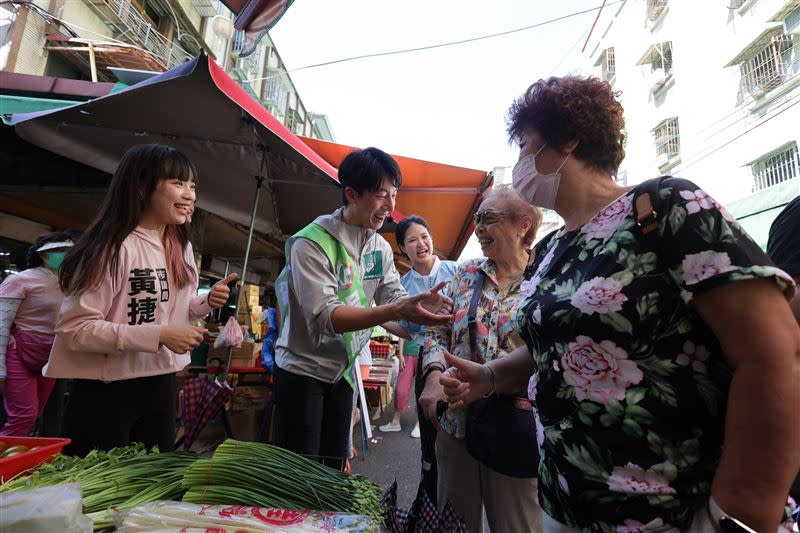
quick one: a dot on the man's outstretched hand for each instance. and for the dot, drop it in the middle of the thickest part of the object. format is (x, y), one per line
(427, 308)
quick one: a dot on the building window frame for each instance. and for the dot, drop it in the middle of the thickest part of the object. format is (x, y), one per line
(606, 61)
(667, 142)
(769, 67)
(655, 11)
(776, 166)
(660, 58)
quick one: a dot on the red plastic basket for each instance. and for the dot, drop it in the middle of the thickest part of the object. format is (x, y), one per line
(46, 449)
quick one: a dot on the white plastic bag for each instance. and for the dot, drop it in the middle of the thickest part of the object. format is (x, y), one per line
(230, 336)
(55, 508)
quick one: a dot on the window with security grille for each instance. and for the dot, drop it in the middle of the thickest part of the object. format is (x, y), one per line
(667, 139)
(770, 67)
(659, 57)
(607, 65)
(655, 8)
(776, 167)
(662, 59)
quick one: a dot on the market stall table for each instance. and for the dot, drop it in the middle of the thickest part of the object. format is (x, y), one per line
(243, 372)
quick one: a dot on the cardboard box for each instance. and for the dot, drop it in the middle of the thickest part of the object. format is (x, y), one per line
(250, 397)
(247, 355)
(247, 409)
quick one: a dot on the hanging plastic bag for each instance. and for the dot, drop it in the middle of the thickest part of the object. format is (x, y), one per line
(230, 336)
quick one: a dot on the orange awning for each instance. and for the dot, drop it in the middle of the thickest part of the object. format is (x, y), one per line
(444, 195)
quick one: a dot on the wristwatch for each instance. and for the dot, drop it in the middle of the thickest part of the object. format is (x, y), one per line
(727, 523)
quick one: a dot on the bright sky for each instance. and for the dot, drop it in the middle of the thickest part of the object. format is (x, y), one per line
(446, 105)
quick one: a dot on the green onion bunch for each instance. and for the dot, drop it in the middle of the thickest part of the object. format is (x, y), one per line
(249, 473)
(118, 479)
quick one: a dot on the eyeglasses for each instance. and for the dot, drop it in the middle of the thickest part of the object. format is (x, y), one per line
(487, 218)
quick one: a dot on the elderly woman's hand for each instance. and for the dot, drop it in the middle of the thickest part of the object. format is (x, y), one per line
(431, 395)
(465, 381)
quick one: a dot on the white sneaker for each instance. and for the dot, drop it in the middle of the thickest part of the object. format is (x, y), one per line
(415, 432)
(390, 428)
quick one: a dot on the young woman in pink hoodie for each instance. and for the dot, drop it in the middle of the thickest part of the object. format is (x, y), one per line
(131, 292)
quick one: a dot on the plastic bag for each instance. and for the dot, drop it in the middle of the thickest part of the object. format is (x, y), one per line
(179, 517)
(230, 336)
(55, 508)
(269, 316)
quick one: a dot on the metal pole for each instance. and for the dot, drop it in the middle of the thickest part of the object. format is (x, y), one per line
(259, 182)
(92, 63)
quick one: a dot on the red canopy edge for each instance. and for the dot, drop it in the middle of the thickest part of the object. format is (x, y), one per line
(427, 178)
(239, 96)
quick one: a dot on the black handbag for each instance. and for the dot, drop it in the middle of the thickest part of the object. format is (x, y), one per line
(500, 430)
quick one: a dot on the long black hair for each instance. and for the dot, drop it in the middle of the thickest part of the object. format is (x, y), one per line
(132, 186)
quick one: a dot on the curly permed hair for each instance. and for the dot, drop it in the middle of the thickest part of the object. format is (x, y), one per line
(573, 108)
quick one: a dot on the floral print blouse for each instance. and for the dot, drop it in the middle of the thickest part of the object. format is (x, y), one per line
(497, 332)
(630, 385)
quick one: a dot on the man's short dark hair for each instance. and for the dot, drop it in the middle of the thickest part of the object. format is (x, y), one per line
(365, 170)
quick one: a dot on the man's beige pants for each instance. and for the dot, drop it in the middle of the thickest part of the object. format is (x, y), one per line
(512, 504)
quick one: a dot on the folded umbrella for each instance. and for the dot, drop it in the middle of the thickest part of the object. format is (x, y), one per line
(202, 398)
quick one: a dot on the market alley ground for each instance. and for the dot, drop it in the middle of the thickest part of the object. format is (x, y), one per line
(392, 456)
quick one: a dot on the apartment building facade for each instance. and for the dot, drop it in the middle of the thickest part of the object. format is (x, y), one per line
(81, 39)
(710, 91)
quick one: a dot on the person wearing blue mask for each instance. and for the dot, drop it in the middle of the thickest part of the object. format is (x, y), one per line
(29, 305)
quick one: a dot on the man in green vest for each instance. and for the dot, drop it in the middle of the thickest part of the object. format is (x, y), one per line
(339, 282)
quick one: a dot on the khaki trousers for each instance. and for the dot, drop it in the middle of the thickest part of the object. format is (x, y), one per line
(512, 504)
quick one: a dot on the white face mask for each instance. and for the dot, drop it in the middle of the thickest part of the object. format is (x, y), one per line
(536, 189)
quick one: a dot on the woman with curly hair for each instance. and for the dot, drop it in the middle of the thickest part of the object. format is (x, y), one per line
(661, 354)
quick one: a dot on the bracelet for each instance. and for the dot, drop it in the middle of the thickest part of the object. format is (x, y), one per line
(430, 368)
(726, 522)
(491, 391)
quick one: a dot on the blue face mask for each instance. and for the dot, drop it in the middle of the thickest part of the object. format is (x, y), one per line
(54, 259)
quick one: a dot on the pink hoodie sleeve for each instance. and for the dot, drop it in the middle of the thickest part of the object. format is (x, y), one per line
(198, 304)
(83, 326)
(199, 307)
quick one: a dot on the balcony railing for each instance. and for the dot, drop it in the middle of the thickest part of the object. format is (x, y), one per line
(771, 67)
(123, 16)
(240, 44)
(275, 89)
(776, 168)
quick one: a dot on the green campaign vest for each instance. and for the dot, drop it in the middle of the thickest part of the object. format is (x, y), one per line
(350, 291)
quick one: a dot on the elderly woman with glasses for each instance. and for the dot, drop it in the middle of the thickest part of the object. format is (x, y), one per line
(474, 472)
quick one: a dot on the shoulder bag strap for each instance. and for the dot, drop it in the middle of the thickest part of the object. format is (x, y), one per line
(643, 205)
(472, 323)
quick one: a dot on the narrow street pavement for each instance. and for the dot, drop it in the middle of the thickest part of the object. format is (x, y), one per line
(392, 456)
